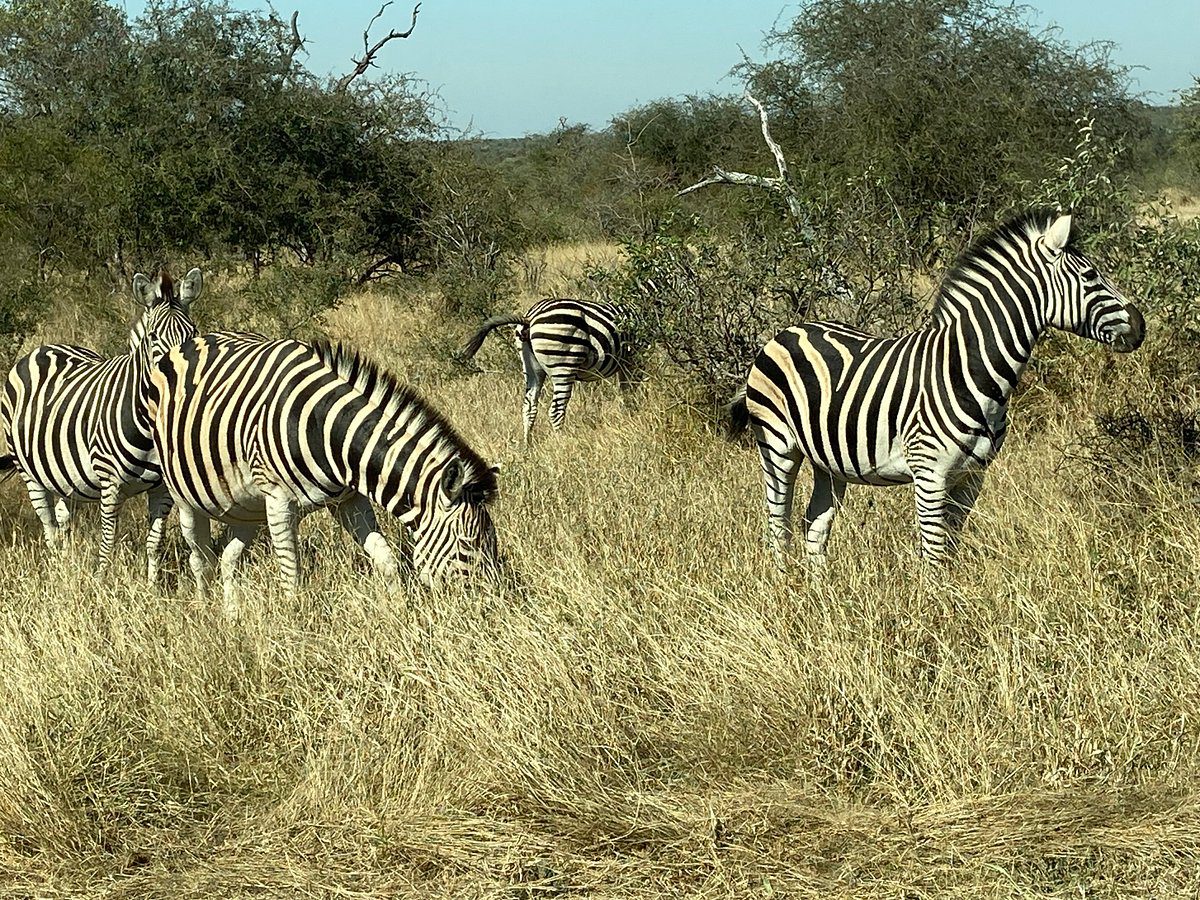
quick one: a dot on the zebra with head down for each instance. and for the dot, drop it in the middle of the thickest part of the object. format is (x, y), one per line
(253, 431)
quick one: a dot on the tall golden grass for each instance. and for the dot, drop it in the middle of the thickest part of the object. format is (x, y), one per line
(654, 710)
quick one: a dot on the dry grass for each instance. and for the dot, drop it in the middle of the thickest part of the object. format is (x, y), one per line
(655, 713)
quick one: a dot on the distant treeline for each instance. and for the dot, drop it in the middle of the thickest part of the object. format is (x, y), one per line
(196, 130)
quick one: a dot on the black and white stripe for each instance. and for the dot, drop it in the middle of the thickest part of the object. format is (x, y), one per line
(930, 407)
(565, 340)
(77, 426)
(252, 430)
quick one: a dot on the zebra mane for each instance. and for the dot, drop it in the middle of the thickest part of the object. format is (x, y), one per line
(392, 397)
(166, 286)
(1025, 226)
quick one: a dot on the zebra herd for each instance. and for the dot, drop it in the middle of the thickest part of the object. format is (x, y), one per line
(248, 431)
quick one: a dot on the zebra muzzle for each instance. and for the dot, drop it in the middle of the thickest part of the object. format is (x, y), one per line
(1130, 340)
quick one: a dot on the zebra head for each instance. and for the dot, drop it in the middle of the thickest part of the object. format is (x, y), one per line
(1080, 298)
(166, 321)
(455, 538)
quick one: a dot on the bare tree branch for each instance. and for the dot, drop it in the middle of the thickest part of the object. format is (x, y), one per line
(370, 52)
(781, 185)
(297, 41)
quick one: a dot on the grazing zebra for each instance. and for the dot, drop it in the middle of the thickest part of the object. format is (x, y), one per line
(76, 423)
(568, 340)
(252, 430)
(929, 407)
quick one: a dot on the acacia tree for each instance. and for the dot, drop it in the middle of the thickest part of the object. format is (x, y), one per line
(941, 108)
(196, 129)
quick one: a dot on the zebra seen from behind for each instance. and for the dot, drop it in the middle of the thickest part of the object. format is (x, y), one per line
(254, 431)
(566, 341)
(930, 407)
(77, 426)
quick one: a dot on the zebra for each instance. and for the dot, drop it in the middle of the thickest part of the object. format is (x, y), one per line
(929, 407)
(252, 430)
(76, 423)
(567, 340)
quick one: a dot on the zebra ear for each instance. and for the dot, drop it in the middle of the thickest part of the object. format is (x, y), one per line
(453, 479)
(144, 290)
(1058, 234)
(193, 284)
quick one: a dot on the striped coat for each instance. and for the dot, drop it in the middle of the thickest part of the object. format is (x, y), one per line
(76, 422)
(254, 431)
(930, 407)
(563, 340)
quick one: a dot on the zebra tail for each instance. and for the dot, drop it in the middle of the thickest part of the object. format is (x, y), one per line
(8, 465)
(471, 347)
(739, 415)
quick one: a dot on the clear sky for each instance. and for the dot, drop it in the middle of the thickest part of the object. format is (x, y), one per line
(511, 67)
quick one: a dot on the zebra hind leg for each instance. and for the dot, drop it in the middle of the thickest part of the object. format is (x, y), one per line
(535, 380)
(46, 505)
(827, 496)
(558, 403)
(779, 480)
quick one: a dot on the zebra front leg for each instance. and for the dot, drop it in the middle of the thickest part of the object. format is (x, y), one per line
(535, 379)
(197, 531)
(779, 480)
(283, 523)
(158, 507)
(932, 496)
(558, 403)
(823, 505)
(961, 497)
(236, 539)
(110, 511)
(356, 516)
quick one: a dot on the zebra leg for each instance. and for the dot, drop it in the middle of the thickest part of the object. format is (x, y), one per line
(197, 531)
(962, 495)
(779, 479)
(110, 511)
(41, 498)
(932, 495)
(158, 507)
(62, 512)
(535, 379)
(558, 403)
(356, 516)
(283, 523)
(236, 539)
(827, 495)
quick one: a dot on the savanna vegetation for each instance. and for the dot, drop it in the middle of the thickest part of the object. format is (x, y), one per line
(651, 708)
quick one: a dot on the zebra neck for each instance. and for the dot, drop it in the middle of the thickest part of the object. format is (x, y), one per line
(994, 331)
(393, 463)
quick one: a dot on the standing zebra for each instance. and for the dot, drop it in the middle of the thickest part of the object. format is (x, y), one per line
(252, 430)
(76, 423)
(929, 407)
(569, 340)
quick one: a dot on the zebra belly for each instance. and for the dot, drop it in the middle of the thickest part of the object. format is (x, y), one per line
(889, 468)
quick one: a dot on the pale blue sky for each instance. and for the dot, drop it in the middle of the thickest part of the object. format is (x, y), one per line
(511, 67)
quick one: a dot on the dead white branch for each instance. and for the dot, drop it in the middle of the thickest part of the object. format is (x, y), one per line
(781, 185)
(371, 51)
